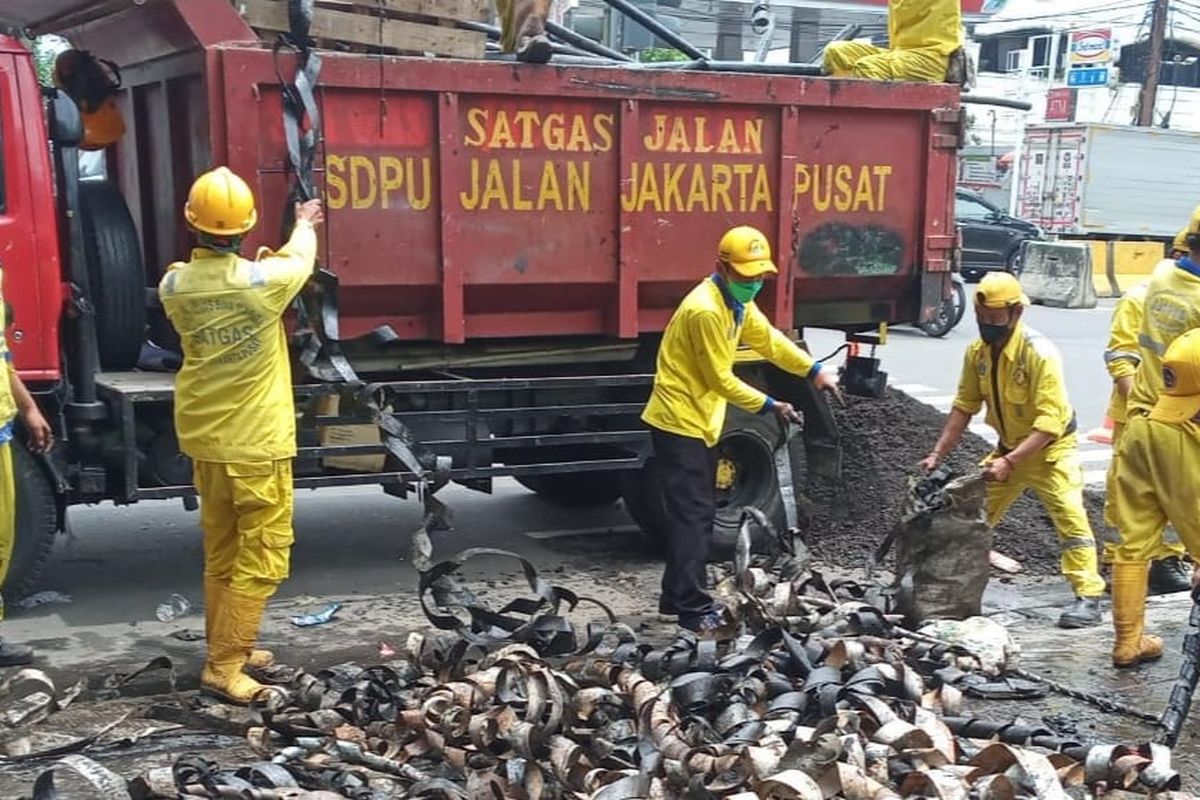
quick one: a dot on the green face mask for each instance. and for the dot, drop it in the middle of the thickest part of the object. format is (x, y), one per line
(744, 292)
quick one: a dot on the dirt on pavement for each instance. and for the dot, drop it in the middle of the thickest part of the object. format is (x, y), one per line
(883, 441)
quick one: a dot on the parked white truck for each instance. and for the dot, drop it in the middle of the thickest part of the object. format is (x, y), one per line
(1108, 182)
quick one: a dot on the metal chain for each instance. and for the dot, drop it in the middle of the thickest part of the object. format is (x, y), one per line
(1102, 703)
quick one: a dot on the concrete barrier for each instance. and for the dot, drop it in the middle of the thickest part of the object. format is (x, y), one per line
(1059, 274)
(1118, 265)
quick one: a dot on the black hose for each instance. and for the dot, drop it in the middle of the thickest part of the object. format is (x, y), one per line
(657, 28)
(1003, 102)
(746, 67)
(584, 43)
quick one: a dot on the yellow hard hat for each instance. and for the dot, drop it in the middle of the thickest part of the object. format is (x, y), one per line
(747, 250)
(220, 203)
(1000, 290)
(102, 127)
(1180, 398)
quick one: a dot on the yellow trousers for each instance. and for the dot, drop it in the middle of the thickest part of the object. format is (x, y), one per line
(8, 512)
(863, 60)
(246, 514)
(1056, 478)
(1155, 483)
(1168, 547)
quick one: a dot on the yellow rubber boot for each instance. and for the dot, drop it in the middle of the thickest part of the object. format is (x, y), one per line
(234, 630)
(1130, 646)
(214, 592)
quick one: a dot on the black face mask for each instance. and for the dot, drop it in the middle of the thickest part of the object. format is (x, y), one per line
(992, 334)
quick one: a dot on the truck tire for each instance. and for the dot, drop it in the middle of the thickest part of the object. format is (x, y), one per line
(575, 489)
(949, 314)
(746, 476)
(115, 273)
(37, 524)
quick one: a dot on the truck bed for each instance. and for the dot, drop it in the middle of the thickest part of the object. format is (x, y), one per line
(476, 201)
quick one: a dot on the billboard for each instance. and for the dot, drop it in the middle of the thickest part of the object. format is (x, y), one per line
(1091, 48)
(1060, 105)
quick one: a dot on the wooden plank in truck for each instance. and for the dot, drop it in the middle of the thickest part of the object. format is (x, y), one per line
(370, 30)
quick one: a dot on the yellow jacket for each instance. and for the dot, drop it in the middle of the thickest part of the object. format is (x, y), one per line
(1024, 392)
(916, 24)
(8, 405)
(1123, 356)
(1172, 307)
(694, 379)
(233, 396)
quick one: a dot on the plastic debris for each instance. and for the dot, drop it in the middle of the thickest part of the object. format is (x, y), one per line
(319, 618)
(983, 637)
(42, 599)
(176, 606)
(386, 650)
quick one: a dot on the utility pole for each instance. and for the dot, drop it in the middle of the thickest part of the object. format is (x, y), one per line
(1158, 34)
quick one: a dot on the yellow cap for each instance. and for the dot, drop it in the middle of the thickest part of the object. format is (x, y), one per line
(747, 250)
(1180, 398)
(1193, 228)
(1000, 290)
(220, 203)
(1180, 244)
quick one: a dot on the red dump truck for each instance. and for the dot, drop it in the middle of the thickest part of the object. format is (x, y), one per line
(509, 241)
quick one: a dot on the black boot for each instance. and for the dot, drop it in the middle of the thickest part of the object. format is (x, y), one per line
(1083, 613)
(1169, 576)
(535, 50)
(14, 655)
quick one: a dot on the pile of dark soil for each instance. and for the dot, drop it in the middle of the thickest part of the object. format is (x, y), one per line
(882, 441)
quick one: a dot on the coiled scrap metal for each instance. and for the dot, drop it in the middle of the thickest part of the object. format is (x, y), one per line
(814, 697)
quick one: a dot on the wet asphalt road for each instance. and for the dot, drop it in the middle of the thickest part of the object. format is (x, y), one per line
(352, 546)
(120, 563)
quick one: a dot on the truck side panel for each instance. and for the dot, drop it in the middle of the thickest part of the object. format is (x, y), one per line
(1143, 182)
(472, 201)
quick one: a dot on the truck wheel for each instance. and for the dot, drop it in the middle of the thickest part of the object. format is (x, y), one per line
(575, 489)
(746, 476)
(115, 272)
(37, 524)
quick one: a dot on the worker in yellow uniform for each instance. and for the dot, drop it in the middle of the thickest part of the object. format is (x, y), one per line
(1168, 573)
(523, 29)
(1018, 374)
(693, 383)
(922, 37)
(15, 401)
(1157, 472)
(1171, 308)
(234, 412)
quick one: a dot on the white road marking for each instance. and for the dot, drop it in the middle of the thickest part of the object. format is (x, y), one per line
(1093, 456)
(914, 388)
(1095, 477)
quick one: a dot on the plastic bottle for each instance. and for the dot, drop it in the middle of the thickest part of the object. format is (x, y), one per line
(176, 606)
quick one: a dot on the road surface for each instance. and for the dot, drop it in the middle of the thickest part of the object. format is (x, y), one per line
(352, 544)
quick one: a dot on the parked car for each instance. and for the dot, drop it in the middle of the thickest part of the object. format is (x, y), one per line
(991, 239)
